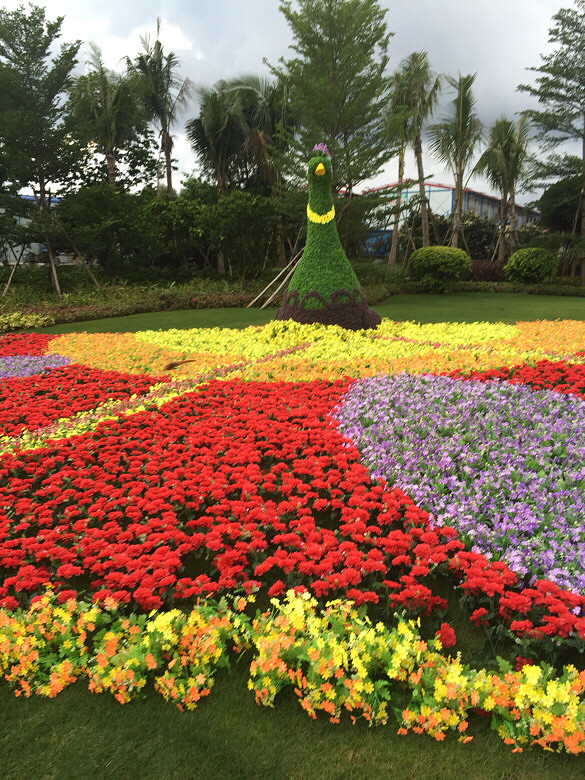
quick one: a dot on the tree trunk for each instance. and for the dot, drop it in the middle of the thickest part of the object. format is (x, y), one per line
(393, 256)
(53, 267)
(457, 209)
(582, 198)
(43, 206)
(220, 263)
(111, 168)
(513, 218)
(166, 143)
(424, 214)
(502, 235)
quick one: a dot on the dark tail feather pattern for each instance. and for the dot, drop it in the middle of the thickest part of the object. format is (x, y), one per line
(170, 366)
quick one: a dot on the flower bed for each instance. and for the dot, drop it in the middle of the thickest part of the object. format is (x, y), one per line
(312, 458)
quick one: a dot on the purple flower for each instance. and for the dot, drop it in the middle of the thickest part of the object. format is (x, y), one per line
(503, 464)
(321, 148)
(28, 365)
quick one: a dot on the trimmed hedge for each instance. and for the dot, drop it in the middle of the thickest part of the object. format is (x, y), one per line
(438, 266)
(531, 265)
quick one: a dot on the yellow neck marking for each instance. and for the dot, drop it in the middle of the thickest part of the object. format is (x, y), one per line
(321, 219)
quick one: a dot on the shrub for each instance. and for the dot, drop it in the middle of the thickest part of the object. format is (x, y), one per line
(437, 266)
(18, 321)
(531, 265)
(479, 235)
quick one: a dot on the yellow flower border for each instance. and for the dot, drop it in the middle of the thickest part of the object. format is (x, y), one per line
(334, 658)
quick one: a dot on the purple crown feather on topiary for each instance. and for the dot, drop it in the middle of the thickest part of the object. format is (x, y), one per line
(321, 148)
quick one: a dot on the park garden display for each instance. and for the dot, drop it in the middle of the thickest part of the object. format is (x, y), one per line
(324, 287)
(314, 499)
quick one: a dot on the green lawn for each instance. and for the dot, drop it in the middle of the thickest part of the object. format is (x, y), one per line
(80, 735)
(456, 307)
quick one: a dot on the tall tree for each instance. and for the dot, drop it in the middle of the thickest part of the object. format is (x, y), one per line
(269, 123)
(423, 89)
(163, 91)
(455, 139)
(34, 130)
(337, 84)
(400, 133)
(107, 111)
(503, 163)
(218, 134)
(560, 90)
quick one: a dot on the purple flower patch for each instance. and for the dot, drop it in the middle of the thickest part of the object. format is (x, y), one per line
(501, 463)
(28, 365)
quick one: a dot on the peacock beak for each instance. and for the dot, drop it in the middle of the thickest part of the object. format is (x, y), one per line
(320, 170)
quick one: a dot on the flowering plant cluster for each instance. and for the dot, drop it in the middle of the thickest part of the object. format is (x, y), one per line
(560, 376)
(306, 457)
(502, 464)
(34, 401)
(335, 659)
(32, 344)
(322, 148)
(179, 506)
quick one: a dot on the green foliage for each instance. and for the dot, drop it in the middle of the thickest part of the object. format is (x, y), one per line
(504, 162)
(33, 79)
(217, 135)
(18, 321)
(531, 264)
(411, 230)
(238, 135)
(479, 235)
(455, 139)
(558, 205)
(242, 227)
(111, 226)
(198, 190)
(437, 266)
(107, 114)
(162, 91)
(337, 84)
(560, 90)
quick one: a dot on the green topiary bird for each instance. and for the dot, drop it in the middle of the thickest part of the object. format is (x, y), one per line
(324, 287)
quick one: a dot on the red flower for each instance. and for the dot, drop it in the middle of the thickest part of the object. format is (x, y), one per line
(446, 635)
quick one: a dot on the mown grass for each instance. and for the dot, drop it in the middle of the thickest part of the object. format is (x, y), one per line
(454, 307)
(79, 734)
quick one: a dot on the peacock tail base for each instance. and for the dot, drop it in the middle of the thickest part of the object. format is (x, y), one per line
(347, 309)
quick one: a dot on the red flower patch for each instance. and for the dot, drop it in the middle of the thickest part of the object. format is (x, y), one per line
(560, 376)
(35, 401)
(235, 485)
(25, 343)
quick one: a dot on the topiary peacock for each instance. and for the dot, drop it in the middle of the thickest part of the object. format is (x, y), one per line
(324, 287)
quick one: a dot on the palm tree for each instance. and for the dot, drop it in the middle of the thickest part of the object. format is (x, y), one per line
(455, 139)
(423, 91)
(162, 91)
(267, 116)
(399, 132)
(218, 134)
(106, 109)
(503, 163)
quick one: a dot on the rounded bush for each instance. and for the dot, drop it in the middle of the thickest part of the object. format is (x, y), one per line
(531, 265)
(439, 265)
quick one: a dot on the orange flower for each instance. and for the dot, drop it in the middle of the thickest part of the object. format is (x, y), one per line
(150, 662)
(102, 660)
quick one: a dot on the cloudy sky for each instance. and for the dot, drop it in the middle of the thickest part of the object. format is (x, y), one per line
(221, 39)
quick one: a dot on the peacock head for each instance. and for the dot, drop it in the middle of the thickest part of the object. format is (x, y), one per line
(319, 175)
